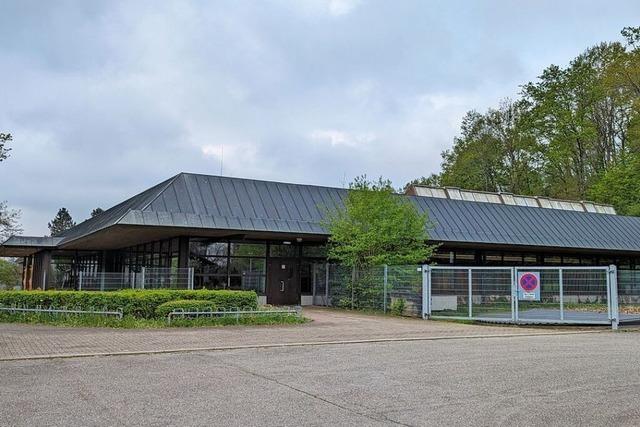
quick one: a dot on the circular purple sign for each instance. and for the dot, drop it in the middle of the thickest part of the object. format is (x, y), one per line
(528, 282)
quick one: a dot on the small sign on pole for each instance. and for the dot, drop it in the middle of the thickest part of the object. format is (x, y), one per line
(529, 285)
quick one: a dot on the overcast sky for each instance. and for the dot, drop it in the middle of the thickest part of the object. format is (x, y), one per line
(106, 99)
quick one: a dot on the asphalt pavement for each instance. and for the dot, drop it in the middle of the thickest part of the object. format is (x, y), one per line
(579, 379)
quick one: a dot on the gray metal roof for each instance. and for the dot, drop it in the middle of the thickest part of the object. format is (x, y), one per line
(27, 245)
(29, 241)
(204, 201)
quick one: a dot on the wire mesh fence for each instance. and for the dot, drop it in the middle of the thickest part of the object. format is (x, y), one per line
(629, 294)
(145, 278)
(167, 278)
(522, 294)
(396, 289)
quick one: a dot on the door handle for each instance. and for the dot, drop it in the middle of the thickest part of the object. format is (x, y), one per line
(281, 285)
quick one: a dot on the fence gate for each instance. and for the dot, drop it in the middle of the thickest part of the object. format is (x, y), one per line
(569, 295)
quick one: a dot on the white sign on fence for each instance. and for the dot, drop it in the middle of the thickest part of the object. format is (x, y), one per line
(529, 285)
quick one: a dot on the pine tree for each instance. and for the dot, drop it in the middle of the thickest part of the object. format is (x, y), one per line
(96, 212)
(61, 222)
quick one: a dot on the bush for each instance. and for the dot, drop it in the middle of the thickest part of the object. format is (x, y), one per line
(136, 303)
(397, 307)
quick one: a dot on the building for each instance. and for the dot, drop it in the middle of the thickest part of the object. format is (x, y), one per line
(247, 234)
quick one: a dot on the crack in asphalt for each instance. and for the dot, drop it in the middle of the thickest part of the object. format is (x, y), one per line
(380, 417)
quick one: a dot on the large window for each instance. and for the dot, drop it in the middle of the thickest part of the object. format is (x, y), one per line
(159, 254)
(228, 265)
(283, 251)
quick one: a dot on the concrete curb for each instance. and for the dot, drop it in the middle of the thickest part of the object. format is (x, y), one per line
(292, 344)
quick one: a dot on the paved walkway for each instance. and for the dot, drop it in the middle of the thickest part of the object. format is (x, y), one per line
(33, 341)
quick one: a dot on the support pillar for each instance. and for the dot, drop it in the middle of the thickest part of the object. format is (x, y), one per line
(183, 252)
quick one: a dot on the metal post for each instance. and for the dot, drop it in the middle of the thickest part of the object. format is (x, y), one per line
(561, 286)
(470, 294)
(142, 273)
(315, 277)
(102, 274)
(516, 295)
(80, 280)
(426, 292)
(326, 285)
(384, 289)
(613, 285)
(190, 278)
(24, 271)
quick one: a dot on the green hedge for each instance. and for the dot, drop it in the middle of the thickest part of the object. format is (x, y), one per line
(137, 303)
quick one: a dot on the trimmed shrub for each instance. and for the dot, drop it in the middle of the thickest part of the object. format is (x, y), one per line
(398, 306)
(137, 303)
(186, 305)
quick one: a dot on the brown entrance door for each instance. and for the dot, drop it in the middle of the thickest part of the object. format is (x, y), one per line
(283, 287)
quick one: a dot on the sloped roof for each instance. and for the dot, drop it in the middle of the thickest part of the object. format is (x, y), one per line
(204, 201)
(26, 245)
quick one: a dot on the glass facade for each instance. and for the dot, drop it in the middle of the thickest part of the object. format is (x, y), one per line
(228, 265)
(159, 254)
(245, 264)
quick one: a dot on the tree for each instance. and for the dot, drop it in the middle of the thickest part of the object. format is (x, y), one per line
(4, 139)
(432, 180)
(620, 186)
(377, 227)
(96, 212)
(9, 222)
(494, 152)
(573, 133)
(9, 218)
(9, 274)
(61, 222)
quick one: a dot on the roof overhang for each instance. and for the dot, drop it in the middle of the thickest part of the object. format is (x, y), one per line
(122, 236)
(20, 246)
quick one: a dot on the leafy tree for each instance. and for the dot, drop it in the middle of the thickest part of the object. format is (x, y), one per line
(573, 133)
(432, 180)
(374, 227)
(61, 222)
(620, 186)
(494, 152)
(9, 218)
(9, 222)
(9, 274)
(4, 150)
(377, 227)
(96, 212)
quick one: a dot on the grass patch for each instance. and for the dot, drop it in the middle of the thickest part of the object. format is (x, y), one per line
(131, 322)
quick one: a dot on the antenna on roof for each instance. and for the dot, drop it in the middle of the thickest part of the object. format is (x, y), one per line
(221, 158)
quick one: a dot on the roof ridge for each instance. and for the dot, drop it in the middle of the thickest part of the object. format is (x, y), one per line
(162, 190)
(265, 180)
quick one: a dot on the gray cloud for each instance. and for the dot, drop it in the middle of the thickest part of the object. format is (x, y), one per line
(107, 98)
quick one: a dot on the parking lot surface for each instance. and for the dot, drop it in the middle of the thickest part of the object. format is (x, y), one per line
(29, 341)
(579, 379)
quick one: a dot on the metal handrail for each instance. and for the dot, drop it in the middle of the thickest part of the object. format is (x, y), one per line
(117, 313)
(237, 313)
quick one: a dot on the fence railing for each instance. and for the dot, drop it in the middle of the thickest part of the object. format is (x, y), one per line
(146, 278)
(396, 288)
(576, 295)
(234, 312)
(60, 311)
(536, 294)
